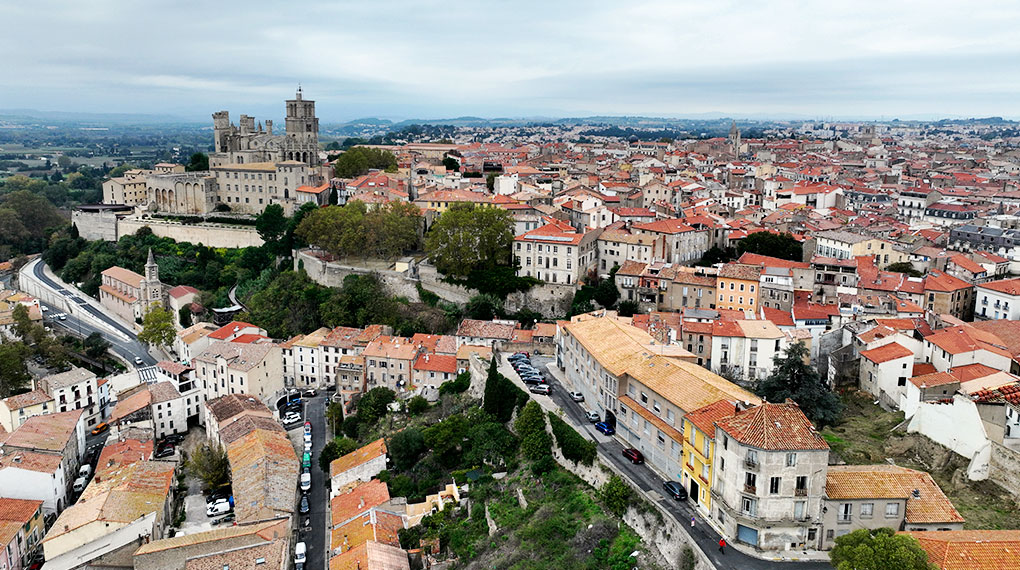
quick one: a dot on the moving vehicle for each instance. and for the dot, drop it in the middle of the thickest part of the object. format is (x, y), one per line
(292, 418)
(300, 552)
(220, 507)
(634, 455)
(62, 316)
(304, 507)
(100, 428)
(306, 481)
(308, 393)
(593, 417)
(675, 489)
(138, 360)
(540, 389)
(605, 428)
(577, 396)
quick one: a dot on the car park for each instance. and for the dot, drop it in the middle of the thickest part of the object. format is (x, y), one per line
(540, 389)
(635, 456)
(593, 417)
(577, 396)
(675, 489)
(304, 507)
(306, 481)
(300, 553)
(220, 507)
(605, 428)
(292, 418)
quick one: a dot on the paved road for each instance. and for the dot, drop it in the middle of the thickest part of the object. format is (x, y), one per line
(315, 537)
(87, 323)
(646, 479)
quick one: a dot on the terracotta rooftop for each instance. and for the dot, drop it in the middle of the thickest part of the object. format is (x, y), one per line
(33, 398)
(971, 549)
(357, 457)
(358, 498)
(704, 418)
(893, 482)
(371, 555)
(773, 427)
(124, 276)
(18, 510)
(486, 329)
(374, 524)
(50, 432)
(264, 473)
(887, 352)
(268, 530)
(274, 554)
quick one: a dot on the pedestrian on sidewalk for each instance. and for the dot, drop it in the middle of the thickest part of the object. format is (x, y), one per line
(722, 545)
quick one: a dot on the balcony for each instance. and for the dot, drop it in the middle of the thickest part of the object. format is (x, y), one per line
(751, 464)
(800, 492)
(750, 489)
(844, 519)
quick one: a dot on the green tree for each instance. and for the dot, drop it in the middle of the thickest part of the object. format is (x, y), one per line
(198, 162)
(33, 219)
(502, 397)
(335, 417)
(417, 405)
(210, 465)
(158, 327)
(792, 377)
(451, 164)
(446, 438)
(335, 449)
(536, 444)
(272, 227)
(616, 495)
(783, 246)
(606, 293)
(184, 315)
(490, 442)
(904, 267)
(95, 345)
(289, 305)
(484, 306)
(878, 549)
(571, 444)
(627, 308)
(406, 447)
(490, 181)
(373, 403)
(467, 237)
(359, 160)
(456, 386)
(14, 376)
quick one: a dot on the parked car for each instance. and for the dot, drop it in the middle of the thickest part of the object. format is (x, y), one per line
(308, 445)
(540, 389)
(303, 507)
(605, 428)
(85, 471)
(593, 417)
(291, 418)
(306, 481)
(165, 451)
(217, 496)
(220, 507)
(308, 427)
(62, 316)
(100, 428)
(174, 438)
(634, 455)
(306, 459)
(532, 380)
(577, 396)
(308, 393)
(523, 353)
(675, 490)
(223, 520)
(300, 552)
(79, 484)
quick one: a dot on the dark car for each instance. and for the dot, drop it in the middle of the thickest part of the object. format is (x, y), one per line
(223, 520)
(213, 497)
(533, 380)
(605, 428)
(303, 508)
(675, 490)
(634, 455)
(165, 451)
(517, 356)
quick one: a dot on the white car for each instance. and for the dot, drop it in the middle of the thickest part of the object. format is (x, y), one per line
(306, 481)
(292, 418)
(577, 396)
(299, 553)
(62, 317)
(220, 507)
(308, 446)
(138, 360)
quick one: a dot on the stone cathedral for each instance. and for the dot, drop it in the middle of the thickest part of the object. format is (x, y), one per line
(248, 143)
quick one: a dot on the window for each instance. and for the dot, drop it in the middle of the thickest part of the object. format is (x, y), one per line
(798, 511)
(791, 459)
(845, 512)
(749, 506)
(867, 509)
(892, 509)
(774, 484)
(722, 464)
(802, 485)
(750, 482)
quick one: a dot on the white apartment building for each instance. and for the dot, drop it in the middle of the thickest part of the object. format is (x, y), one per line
(76, 389)
(745, 348)
(183, 379)
(240, 368)
(998, 300)
(556, 253)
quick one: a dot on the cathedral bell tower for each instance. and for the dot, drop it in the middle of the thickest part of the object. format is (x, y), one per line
(302, 124)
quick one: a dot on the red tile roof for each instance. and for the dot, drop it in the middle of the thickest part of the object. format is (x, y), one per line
(1007, 286)
(704, 418)
(886, 353)
(971, 549)
(773, 427)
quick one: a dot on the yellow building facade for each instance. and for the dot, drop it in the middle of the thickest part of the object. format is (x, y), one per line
(699, 451)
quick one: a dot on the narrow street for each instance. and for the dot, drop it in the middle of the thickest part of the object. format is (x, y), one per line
(316, 537)
(647, 480)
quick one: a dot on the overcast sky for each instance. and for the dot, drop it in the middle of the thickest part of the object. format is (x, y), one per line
(422, 59)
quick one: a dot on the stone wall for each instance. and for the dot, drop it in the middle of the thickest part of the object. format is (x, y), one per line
(93, 226)
(209, 234)
(1003, 468)
(432, 280)
(332, 274)
(549, 299)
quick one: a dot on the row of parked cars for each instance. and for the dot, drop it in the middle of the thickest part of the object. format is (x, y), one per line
(529, 373)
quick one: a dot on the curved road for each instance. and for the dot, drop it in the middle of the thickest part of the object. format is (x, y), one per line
(126, 349)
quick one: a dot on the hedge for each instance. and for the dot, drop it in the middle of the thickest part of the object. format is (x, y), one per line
(571, 444)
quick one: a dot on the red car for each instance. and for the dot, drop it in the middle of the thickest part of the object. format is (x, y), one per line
(634, 455)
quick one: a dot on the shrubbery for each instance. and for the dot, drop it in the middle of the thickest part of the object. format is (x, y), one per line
(571, 444)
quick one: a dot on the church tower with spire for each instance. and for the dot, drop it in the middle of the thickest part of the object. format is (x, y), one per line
(150, 287)
(735, 138)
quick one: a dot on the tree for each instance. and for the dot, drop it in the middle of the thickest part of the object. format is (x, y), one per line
(502, 397)
(783, 246)
(289, 305)
(198, 161)
(373, 403)
(627, 308)
(456, 386)
(184, 315)
(210, 465)
(467, 237)
(536, 444)
(14, 375)
(158, 327)
(904, 267)
(406, 447)
(33, 219)
(417, 405)
(353, 229)
(95, 345)
(451, 164)
(792, 377)
(334, 198)
(483, 307)
(335, 417)
(616, 495)
(490, 181)
(446, 437)
(359, 160)
(606, 293)
(335, 449)
(272, 226)
(878, 549)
